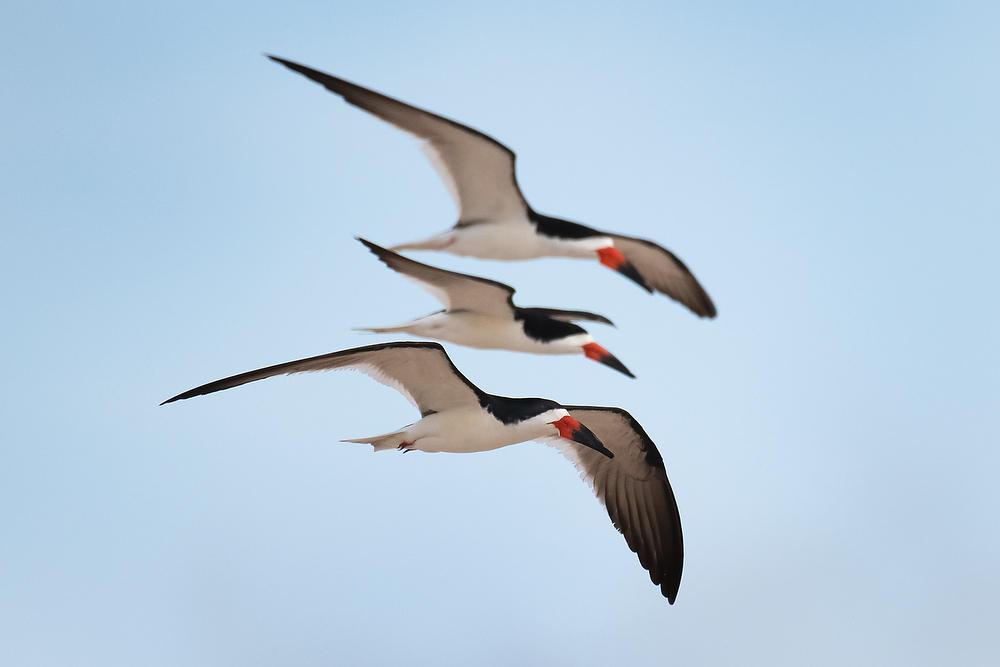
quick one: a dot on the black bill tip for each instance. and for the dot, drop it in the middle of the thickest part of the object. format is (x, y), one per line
(601, 355)
(586, 437)
(629, 271)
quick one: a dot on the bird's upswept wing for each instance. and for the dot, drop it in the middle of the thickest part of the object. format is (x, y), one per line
(634, 488)
(570, 315)
(664, 272)
(457, 291)
(477, 169)
(421, 372)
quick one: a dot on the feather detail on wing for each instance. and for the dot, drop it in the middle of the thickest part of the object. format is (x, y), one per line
(634, 488)
(457, 291)
(571, 315)
(421, 372)
(477, 169)
(664, 272)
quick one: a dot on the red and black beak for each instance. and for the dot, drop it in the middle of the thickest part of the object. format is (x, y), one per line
(571, 429)
(613, 258)
(598, 353)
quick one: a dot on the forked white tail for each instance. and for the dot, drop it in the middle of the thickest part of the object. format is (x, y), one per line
(382, 442)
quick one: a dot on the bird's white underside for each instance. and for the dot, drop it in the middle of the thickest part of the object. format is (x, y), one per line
(459, 430)
(466, 430)
(508, 240)
(485, 333)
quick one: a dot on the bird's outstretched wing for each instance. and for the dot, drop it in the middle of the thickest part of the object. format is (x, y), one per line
(664, 272)
(634, 488)
(422, 372)
(570, 315)
(457, 291)
(477, 169)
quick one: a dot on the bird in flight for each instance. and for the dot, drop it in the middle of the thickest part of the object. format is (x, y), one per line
(481, 313)
(612, 452)
(495, 221)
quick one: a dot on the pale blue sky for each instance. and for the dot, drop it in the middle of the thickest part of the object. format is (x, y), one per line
(176, 209)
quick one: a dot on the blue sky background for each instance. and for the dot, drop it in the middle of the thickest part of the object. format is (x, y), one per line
(176, 209)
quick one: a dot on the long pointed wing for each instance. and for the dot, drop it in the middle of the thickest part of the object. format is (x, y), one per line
(634, 488)
(570, 315)
(457, 291)
(477, 169)
(422, 372)
(665, 273)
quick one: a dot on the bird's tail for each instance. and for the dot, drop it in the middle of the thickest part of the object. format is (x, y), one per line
(399, 328)
(382, 442)
(438, 242)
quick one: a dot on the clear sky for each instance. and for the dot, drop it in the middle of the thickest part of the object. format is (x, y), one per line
(176, 209)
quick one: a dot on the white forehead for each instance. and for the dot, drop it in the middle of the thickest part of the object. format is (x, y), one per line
(552, 415)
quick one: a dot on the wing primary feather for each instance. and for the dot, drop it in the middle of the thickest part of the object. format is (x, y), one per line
(479, 170)
(420, 371)
(571, 315)
(663, 271)
(457, 291)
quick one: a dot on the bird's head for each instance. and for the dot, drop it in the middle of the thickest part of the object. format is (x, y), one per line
(565, 337)
(571, 429)
(613, 258)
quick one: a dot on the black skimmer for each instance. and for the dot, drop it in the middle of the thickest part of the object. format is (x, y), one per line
(481, 313)
(457, 416)
(495, 221)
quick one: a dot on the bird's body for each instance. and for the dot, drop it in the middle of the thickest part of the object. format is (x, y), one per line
(487, 332)
(480, 313)
(458, 417)
(509, 240)
(464, 431)
(495, 220)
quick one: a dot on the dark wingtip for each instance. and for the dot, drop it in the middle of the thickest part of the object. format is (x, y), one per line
(381, 253)
(700, 303)
(597, 317)
(374, 247)
(669, 581)
(709, 309)
(180, 397)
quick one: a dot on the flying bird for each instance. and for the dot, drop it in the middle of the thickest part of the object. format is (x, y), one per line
(495, 221)
(481, 313)
(457, 416)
